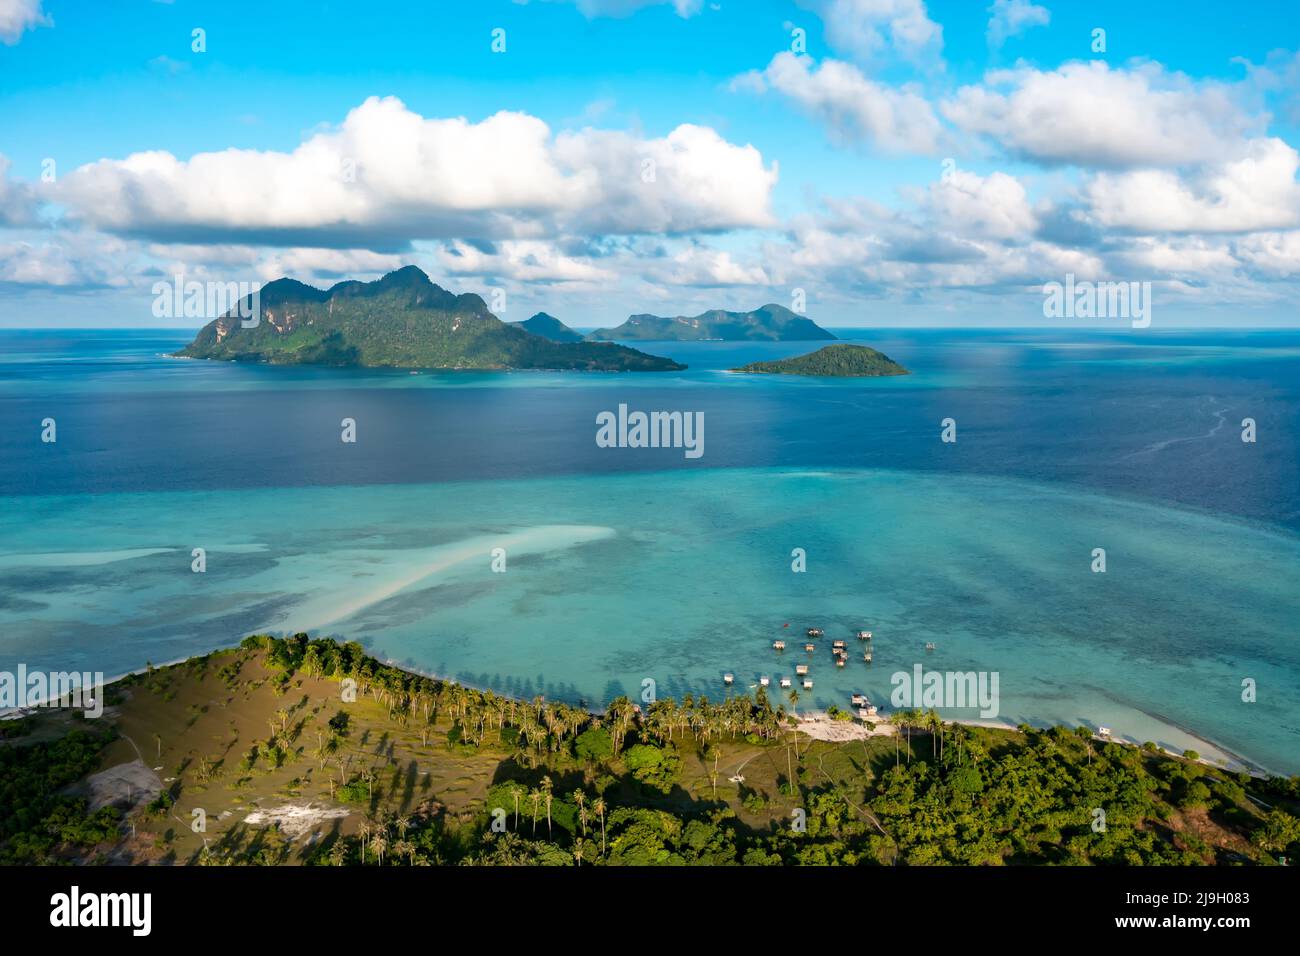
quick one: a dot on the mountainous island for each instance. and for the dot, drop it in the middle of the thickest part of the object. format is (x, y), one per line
(549, 327)
(832, 361)
(400, 321)
(768, 323)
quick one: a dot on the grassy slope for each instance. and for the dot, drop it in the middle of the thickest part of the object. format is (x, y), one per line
(209, 712)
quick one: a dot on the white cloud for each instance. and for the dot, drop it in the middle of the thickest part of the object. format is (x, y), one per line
(1090, 114)
(1257, 191)
(521, 261)
(19, 16)
(415, 177)
(1273, 253)
(1012, 17)
(592, 9)
(18, 202)
(994, 206)
(702, 266)
(855, 108)
(867, 30)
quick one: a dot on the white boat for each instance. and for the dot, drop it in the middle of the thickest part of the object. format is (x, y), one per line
(807, 683)
(859, 700)
(778, 645)
(864, 635)
(785, 682)
(801, 669)
(728, 679)
(764, 681)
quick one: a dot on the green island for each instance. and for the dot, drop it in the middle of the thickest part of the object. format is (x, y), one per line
(767, 323)
(402, 320)
(832, 361)
(549, 327)
(308, 751)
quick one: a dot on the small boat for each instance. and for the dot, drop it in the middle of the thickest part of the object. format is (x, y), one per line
(839, 662)
(810, 648)
(801, 669)
(864, 635)
(728, 679)
(814, 632)
(866, 712)
(838, 644)
(778, 645)
(929, 645)
(785, 682)
(1103, 732)
(764, 681)
(807, 683)
(859, 700)
(866, 655)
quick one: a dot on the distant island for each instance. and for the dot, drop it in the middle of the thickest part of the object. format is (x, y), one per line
(769, 323)
(400, 321)
(832, 361)
(549, 327)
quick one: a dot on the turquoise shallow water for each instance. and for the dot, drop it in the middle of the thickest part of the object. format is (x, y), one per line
(680, 576)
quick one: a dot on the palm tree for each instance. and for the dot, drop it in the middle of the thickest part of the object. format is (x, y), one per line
(407, 849)
(516, 791)
(379, 844)
(599, 807)
(338, 853)
(364, 830)
(547, 787)
(580, 799)
(535, 796)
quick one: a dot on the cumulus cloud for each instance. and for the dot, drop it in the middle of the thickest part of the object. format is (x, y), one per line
(994, 206)
(1090, 114)
(387, 176)
(18, 201)
(19, 16)
(855, 108)
(868, 30)
(592, 9)
(701, 266)
(520, 260)
(1257, 191)
(1012, 17)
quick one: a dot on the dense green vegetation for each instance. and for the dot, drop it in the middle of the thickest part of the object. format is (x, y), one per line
(637, 786)
(841, 361)
(36, 818)
(549, 327)
(768, 323)
(400, 321)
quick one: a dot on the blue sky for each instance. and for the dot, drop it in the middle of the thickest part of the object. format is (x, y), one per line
(902, 162)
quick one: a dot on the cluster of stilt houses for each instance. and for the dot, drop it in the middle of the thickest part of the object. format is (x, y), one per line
(839, 654)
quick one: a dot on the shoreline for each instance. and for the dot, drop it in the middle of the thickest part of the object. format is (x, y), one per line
(814, 723)
(818, 725)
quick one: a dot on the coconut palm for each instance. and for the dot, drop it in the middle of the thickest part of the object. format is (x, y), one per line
(580, 799)
(599, 807)
(547, 788)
